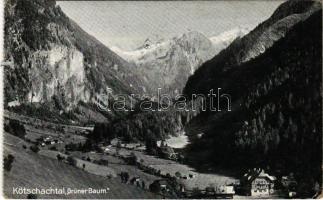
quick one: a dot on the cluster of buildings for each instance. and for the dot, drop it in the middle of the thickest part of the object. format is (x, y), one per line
(256, 183)
(168, 187)
(49, 141)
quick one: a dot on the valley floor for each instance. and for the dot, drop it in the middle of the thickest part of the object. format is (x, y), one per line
(43, 170)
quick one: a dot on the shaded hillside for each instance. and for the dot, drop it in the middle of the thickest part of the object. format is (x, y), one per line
(251, 45)
(276, 120)
(144, 122)
(53, 61)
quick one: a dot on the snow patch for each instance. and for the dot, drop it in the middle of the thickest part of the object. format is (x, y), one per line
(227, 37)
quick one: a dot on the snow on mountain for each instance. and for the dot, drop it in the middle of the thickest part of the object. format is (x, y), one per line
(167, 64)
(157, 47)
(145, 52)
(224, 39)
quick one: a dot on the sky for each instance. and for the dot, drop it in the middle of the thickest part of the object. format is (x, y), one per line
(127, 24)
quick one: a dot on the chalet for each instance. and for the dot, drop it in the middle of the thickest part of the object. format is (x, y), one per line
(257, 183)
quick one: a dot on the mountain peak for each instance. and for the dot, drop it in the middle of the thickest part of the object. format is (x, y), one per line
(150, 41)
(191, 36)
(295, 7)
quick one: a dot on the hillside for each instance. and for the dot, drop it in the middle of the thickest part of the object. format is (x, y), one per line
(275, 122)
(255, 43)
(31, 170)
(55, 63)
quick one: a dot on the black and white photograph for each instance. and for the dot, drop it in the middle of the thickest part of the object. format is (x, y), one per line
(161, 99)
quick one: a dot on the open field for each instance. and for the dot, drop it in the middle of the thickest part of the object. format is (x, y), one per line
(199, 180)
(118, 165)
(90, 167)
(31, 170)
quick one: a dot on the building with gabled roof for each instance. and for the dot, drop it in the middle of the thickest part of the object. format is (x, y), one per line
(258, 183)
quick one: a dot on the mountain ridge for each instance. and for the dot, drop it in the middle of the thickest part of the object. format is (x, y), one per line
(167, 64)
(275, 122)
(56, 63)
(255, 43)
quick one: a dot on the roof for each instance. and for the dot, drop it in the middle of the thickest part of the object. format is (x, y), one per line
(265, 175)
(251, 175)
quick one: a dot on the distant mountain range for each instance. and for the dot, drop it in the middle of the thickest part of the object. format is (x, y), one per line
(167, 64)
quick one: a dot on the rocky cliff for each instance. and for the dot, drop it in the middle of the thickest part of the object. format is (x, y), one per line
(51, 59)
